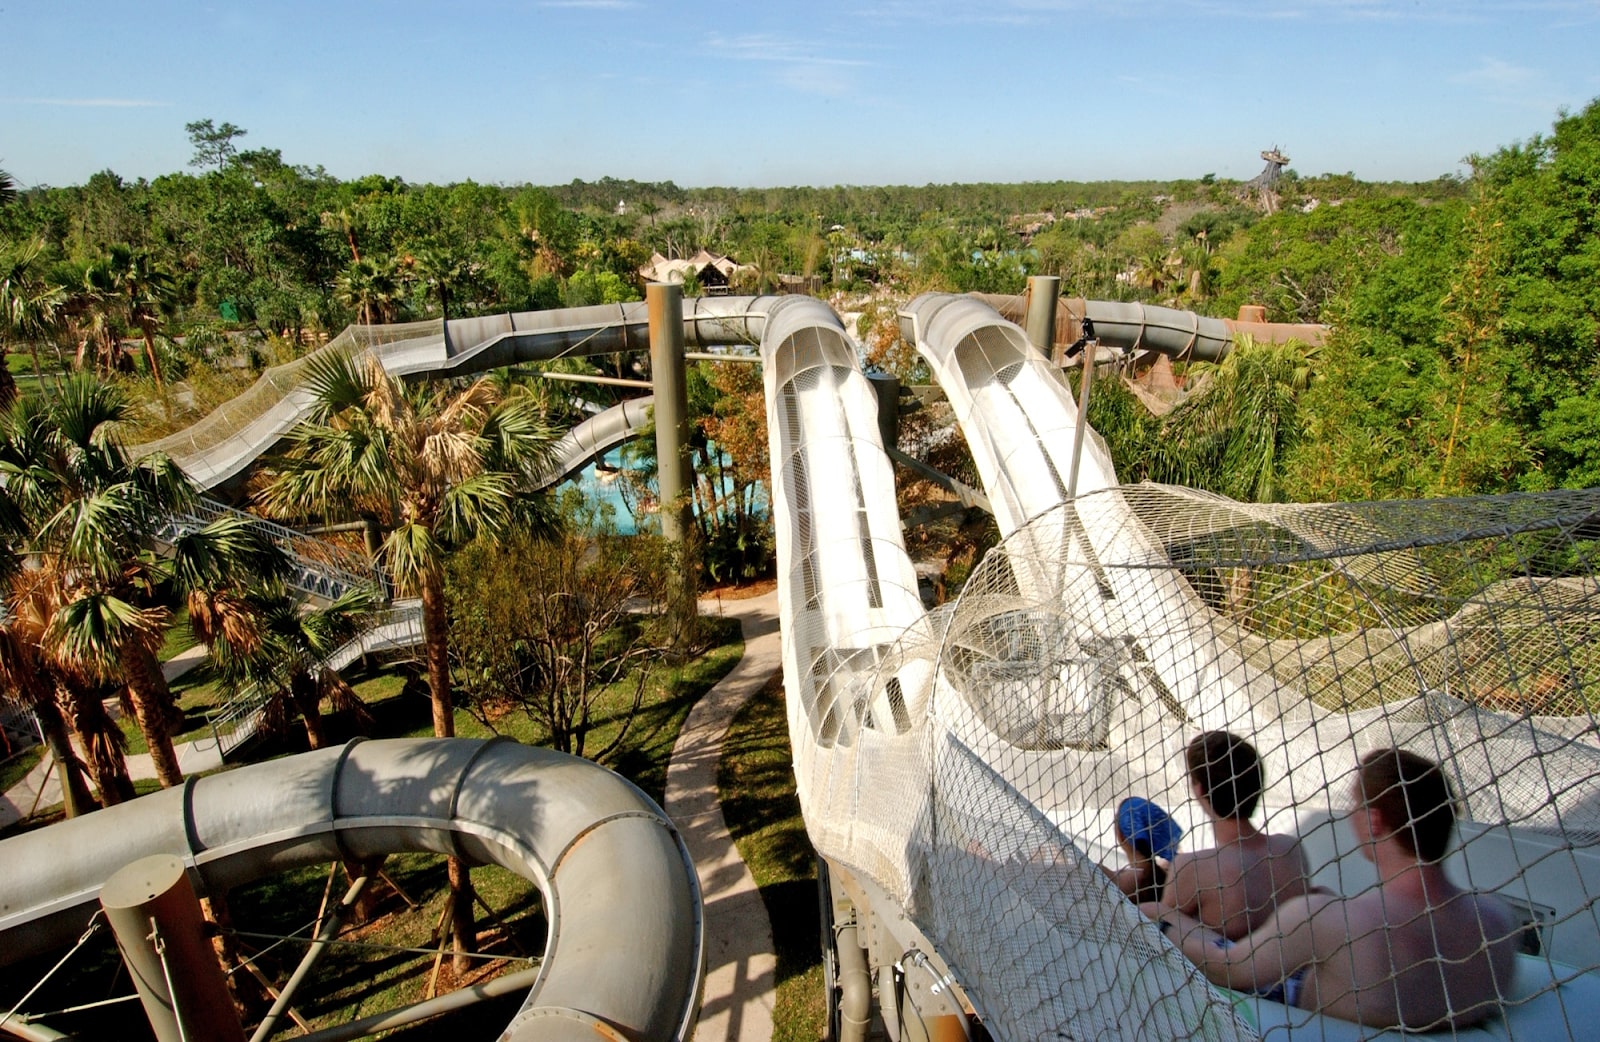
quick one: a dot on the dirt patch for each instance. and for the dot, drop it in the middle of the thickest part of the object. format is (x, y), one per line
(758, 588)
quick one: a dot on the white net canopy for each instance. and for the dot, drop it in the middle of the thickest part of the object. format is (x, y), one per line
(270, 394)
(1090, 647)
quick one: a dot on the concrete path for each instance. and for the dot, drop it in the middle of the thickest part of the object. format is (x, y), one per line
(741, 970)
(41, 788)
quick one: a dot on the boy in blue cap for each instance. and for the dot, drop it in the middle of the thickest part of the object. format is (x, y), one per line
(1149, 836)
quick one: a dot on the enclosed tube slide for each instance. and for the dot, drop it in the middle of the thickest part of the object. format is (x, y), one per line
(1019, 417)
(624, 954)
(1129, 326)
(847, 588)
(596, 436)
(219, 447)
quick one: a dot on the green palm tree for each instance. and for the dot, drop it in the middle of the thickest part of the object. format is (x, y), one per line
(30, 307)
(91, 312)
(1232, 434)
(90, 511)
(369, 287)
(436, 466)
(25, 684)
(70, 699)
(288, 661)
(142, 292)
(440, 269)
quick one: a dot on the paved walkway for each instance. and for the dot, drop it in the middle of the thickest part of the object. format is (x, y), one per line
(740, 965)
(41, 787)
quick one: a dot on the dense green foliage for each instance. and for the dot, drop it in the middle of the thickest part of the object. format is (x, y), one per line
(1463, 311)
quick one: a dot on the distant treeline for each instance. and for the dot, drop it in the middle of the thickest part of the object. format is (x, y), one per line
(1464, 356)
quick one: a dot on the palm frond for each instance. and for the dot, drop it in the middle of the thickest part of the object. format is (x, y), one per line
(224, 617)
(518, 437)
(92, 632)
(480, 504)
(412, 555)
(337, 381)
(229, 551)
(95, 532)
(86, 410)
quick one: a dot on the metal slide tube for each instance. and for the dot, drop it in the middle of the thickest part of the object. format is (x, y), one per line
(461, 998)
(626, 934)
(1169, 331)
(464, 346)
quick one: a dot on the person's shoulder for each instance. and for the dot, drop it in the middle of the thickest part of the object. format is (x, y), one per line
(1495, 914)
(1283, 844)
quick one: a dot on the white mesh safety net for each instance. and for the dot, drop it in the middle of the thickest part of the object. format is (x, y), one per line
(1462, 630)
(269, 403)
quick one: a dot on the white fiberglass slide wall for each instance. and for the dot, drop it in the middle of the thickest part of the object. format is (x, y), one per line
(847, 594)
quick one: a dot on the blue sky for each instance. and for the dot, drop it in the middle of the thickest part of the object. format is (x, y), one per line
(803, 92)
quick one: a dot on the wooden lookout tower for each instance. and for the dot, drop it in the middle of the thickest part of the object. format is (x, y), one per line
(1264, 186)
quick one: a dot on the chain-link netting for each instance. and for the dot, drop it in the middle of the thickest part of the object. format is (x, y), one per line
(266, 398)
(1088, 649)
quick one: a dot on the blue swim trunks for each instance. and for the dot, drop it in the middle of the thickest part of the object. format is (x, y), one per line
(1286, 991)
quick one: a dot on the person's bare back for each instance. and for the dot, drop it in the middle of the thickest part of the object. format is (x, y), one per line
(1415, 951)
(1406, 963)
(1234, 888)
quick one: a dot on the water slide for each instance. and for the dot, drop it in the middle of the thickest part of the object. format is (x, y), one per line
(222, 445)
(625, 948)
(892, 743)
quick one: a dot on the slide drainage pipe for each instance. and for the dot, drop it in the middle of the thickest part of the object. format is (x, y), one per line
(625, 949)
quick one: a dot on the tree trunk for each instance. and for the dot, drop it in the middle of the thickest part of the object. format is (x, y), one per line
(436, 650)
(248, 998)
(101, 740)
(150, 353)
(75, 798)
(463, 928)
(436, 644)
(303, 690)
(151, 699)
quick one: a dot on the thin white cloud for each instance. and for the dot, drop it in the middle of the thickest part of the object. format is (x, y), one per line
(1500, 75)
(799, 66)
(91, 103)
(762, 47)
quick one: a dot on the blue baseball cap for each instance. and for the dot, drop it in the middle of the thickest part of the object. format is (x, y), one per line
(1139, 819)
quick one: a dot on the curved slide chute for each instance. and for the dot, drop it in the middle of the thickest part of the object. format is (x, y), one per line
(220, 446)
(593, 438)
(940, 818)
(624, 954)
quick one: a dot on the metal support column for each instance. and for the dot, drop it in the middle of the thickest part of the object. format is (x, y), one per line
(1040, 320)
(664, 303)
(886, 386)
(1081, 424)
(161, 934)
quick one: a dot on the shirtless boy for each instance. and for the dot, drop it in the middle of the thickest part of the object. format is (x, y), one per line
(1234, 886)
(1415, 952)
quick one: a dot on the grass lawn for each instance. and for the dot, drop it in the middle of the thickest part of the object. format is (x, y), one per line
(17, 767)
(669, 696)
(179, 637)
(755, 781)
